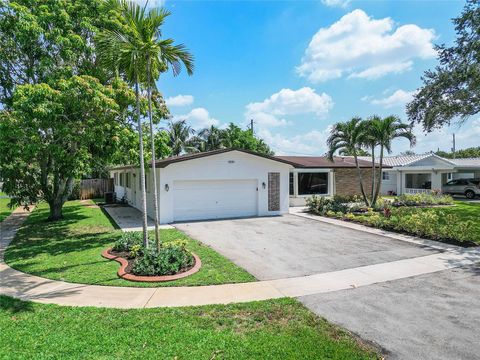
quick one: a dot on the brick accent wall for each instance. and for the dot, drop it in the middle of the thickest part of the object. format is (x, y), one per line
(347, 183)
(273, 191)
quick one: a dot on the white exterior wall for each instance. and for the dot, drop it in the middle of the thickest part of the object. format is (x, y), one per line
(232, 165)
(390, 184)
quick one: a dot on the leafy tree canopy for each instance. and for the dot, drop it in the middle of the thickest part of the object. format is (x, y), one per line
(472, 152)
(42, 41)
(452, 90)
(47, 140)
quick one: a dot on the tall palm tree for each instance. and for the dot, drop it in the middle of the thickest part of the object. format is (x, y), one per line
(212, 138)
(179, 133)
(121, 50)
(370, 139)
(160, 55)
(387, 130)
(347, 137)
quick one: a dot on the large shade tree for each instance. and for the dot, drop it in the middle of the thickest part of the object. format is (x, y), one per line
(47, 140)
(44, 41)
(451, 91)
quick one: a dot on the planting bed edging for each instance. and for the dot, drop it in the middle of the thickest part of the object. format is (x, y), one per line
(124, 275)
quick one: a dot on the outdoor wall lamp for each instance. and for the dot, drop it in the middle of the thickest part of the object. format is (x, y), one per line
(264, 185)
(167, 187)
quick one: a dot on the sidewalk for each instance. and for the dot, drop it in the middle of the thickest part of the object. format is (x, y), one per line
(129, 218)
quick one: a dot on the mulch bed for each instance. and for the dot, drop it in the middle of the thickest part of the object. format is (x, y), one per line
(126, 266)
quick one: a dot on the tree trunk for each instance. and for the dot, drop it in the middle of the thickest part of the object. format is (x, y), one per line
(56, 208)
(377, 190)
(63, 190)
(360, 179)
(142, 167)
(152, 143)
(373, 177)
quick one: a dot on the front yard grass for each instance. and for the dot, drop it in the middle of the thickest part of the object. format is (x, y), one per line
(5, 210)
(277, 329)
(70, 250)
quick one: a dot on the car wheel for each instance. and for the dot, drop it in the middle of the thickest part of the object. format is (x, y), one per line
(469, 194)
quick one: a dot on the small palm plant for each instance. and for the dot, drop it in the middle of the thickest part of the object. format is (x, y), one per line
(140, 53)
(346, 137)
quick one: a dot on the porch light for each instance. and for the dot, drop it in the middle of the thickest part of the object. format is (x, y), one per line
(167, 187)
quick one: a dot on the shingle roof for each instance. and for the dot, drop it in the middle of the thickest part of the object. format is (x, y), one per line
(324, 162)
(174, 159)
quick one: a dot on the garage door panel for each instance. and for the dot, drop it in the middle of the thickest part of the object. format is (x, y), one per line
(196, 200)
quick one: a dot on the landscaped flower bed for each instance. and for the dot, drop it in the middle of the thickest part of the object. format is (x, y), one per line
(409, 214)
(173, 261)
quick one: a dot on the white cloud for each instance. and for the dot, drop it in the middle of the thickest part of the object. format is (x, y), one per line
(272, 110)
(360, 46)
(466, 136)
(179, 100)
(336, 3)
(398, 98)
(310, 143)
(198, 118)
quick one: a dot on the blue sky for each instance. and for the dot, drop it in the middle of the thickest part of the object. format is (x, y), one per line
(296, 67)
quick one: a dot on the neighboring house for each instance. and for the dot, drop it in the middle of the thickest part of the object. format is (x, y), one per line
(216, 184)
(317, 175)
(423, 173)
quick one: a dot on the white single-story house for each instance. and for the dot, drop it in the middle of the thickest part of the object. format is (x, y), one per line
(222, 183)
(423, 173)
(231, 183)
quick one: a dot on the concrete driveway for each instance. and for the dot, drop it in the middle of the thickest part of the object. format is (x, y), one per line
(290, 246)
(431, 316)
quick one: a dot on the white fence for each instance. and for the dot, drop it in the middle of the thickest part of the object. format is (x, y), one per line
(417, 191)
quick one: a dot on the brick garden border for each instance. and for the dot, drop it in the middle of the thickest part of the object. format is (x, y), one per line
(131, 277)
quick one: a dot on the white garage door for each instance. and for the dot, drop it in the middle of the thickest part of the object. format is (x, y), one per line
(214, 199)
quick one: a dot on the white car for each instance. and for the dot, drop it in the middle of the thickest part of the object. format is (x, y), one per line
(468, 187)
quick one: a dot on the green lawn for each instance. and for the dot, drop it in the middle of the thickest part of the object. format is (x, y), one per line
(466, 211)
(70, 250)
(4, 208)
(277, 329)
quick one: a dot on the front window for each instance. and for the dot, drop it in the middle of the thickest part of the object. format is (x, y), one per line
(291, 184)
(312, 183)
(385, 175)
(418, 181)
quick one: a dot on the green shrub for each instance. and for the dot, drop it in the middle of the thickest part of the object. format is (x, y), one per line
(322, 205)
(168, 261)
(427, 223)
(127, 241)
(347, 198)
(422, 200)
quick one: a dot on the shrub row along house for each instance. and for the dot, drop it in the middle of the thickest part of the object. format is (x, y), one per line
(230, 183)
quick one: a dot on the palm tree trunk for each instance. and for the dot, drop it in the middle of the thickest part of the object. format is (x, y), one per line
(360, 178)
(142, 166)
(373, 176)
(380, 175)
(152, 142)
